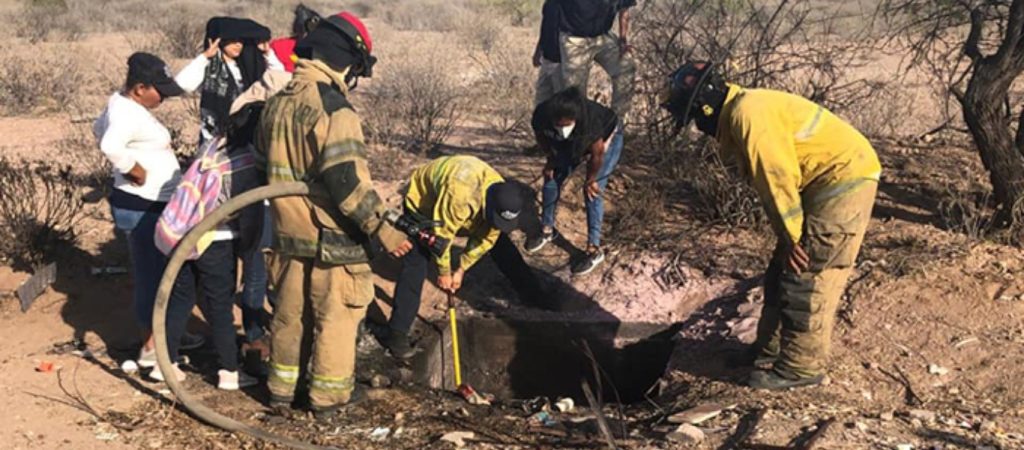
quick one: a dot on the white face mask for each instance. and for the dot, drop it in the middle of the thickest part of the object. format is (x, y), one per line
(563, 133)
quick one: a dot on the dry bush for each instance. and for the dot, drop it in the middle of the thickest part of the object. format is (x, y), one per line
(966, 213)
(417, 104)
(504, 92)
(419, 15)
(720, 196)
(179, 35)
(755, 44)
(519, 12)
(481, 32)
(45, 20)
(43, 83)
(39, 208)
(91, 168)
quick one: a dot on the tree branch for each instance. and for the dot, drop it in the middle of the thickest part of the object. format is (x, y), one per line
(972, 47)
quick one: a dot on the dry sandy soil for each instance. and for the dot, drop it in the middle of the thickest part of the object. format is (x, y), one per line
(928, 350)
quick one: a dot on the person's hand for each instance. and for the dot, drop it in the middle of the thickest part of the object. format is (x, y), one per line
(212, 46)
(451, 282)
(797, 259)
(444, 282)
(402, 249)
(457, 280)
(549, 171)
(137, 175)
(593, 190)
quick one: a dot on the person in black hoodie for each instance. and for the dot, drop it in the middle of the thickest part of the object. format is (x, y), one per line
(231, 63)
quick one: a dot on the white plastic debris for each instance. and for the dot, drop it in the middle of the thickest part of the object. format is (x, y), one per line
(565, 405)
(129, 366)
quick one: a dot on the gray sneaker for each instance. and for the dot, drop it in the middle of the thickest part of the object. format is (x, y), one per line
(588, 263)
(536, 243)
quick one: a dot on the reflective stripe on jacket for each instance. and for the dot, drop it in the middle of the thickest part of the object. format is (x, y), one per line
(303, 133)
(796, 153)
(452, 190)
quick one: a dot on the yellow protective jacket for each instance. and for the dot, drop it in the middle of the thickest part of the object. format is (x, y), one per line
(453, 191)
(796, 153)
(309, 132)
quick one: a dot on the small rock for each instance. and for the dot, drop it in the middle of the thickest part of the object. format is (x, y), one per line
(922, 415)
(458, 438)
(938, 370)
(827, 381)
(886, 416)
(379, 434)
(916, 423)
(698, 414)
(399, 417)
(904, 447)
(861, 426)
(380, 381)
(686, 434)
(987, 426)
(463, 412)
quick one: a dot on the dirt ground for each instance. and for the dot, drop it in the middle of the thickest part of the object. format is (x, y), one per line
(928, 350)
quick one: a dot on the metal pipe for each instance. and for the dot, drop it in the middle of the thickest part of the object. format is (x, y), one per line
(177, 259)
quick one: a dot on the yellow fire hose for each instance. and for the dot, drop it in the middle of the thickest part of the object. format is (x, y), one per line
(177, 259)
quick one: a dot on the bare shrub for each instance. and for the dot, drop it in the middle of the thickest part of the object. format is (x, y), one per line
(43, 20)
(504, 91)
(38, 84)
(719, 195)
(481, 32)
(424, 100)
(968, 214)
(519, 12)
(39, 208)
(779, 45)
(435, 15)
(91, 167)
(177, 34)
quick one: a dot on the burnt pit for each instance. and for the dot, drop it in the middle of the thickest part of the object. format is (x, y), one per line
(524, 359)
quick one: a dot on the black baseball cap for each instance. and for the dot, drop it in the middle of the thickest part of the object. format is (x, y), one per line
(152, 71)
(504, 205)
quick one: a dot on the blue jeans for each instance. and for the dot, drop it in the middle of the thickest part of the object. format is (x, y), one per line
(213, 275)
(595, 208)
(148, 262)
(254, 281)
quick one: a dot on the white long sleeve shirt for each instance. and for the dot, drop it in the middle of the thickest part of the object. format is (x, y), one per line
(128, 135)
(191, 77)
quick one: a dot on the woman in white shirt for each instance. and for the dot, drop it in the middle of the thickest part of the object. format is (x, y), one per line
(146, 172)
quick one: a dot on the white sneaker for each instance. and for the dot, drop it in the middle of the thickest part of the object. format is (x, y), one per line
(233, 381)
(147, 358)
(159, 376)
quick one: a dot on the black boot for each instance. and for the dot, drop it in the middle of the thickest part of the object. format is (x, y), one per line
(399, 345)
(773, 381)
(326, 413)
(751, 357)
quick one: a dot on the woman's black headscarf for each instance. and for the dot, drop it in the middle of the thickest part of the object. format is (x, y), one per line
(219, 88)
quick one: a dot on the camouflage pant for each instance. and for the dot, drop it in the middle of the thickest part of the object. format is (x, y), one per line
(318, 313)
(579, 54)
(799, 310)
(549, 81)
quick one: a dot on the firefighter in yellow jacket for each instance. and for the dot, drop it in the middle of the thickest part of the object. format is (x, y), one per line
(817, 178)
(309, 132)
(461, 196)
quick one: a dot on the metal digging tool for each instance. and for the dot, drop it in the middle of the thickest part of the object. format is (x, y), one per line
(465, 390)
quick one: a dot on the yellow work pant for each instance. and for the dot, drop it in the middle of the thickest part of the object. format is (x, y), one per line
(318, 313)
(800, 310)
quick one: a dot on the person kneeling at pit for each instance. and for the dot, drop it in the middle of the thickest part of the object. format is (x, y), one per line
(465, 196)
